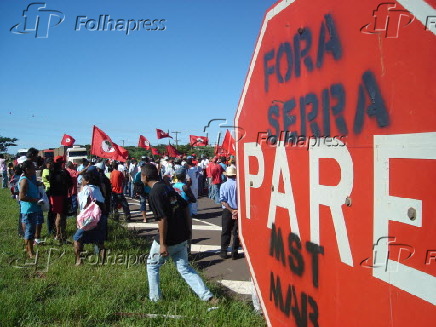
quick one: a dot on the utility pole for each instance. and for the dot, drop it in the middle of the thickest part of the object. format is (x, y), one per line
(177, 140)
(123, 142)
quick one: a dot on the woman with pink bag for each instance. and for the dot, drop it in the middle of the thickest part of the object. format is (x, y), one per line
(87, 234)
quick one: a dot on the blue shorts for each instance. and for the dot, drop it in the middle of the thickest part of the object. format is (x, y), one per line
(31, 220)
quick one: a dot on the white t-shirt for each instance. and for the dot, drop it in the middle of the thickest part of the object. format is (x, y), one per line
(2, 165)
(203, 165)
(133, 169)
(169, 170)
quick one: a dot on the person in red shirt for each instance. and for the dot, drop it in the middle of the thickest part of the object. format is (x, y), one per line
(194, 159)
(117, 181)
(215, 171)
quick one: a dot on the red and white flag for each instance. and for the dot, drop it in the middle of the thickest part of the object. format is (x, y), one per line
(67, 140)
(161, 134)
(219, 151)
(198, 140)
(102, 146)
(172, 151)
(155, 151)
(144, 143)
(229, 144)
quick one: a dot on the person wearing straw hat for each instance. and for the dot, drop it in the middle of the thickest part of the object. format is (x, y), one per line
(229, 203)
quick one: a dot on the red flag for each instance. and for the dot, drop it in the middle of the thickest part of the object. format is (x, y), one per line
(102, 146)
(198, 140)
(219, 151)
(144, 143)
(172, 152)
(67, 140)
(161, 134)
(229, 143)
(155, 151)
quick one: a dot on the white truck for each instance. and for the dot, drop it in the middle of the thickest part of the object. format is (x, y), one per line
(76, 153)
(22, 152)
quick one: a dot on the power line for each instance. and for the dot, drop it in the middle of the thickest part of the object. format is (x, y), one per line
(177, 140)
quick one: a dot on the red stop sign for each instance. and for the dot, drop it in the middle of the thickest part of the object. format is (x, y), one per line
(338, 163)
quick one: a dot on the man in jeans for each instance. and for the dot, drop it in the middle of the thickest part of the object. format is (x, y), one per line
(175, 228)
(215, 171)
(229, 203)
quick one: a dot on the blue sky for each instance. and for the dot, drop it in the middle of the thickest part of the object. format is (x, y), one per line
(176, 79)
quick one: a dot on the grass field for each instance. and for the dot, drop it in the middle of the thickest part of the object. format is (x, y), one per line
(51, 291)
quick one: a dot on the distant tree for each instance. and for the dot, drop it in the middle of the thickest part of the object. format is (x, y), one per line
(137, 152)
(6, 142)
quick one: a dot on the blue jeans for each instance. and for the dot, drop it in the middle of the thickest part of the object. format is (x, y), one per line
(131, 187)
(74, 205)
(126, 188)
(5, 179)
(142, 203)
(119, 198)
(179, 254)
(216, 193)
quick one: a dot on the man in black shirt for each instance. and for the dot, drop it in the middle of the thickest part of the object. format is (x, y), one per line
(175, 228)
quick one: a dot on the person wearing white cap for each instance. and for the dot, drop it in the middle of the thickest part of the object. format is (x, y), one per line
(229, 203)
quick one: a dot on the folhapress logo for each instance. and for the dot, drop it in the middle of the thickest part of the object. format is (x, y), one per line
(38, 20)
(388, 19)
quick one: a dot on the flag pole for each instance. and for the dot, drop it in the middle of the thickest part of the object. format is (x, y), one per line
(92, 140)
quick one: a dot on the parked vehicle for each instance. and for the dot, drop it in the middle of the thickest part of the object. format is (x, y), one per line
(76, 153)
(21, 152)
(47, 153)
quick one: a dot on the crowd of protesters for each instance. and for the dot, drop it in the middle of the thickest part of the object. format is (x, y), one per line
(171, 186)
(69, 186)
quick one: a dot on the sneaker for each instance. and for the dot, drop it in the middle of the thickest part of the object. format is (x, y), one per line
(38, 241)
(235, 256)
(223, 254)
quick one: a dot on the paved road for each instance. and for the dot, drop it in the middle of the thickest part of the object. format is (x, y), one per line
(233, 274)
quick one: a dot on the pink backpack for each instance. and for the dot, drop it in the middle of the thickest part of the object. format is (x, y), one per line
(89, 217)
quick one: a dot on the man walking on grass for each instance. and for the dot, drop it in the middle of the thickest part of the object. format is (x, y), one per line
(175, 229)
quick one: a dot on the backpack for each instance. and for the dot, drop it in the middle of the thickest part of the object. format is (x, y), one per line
(89, 217)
